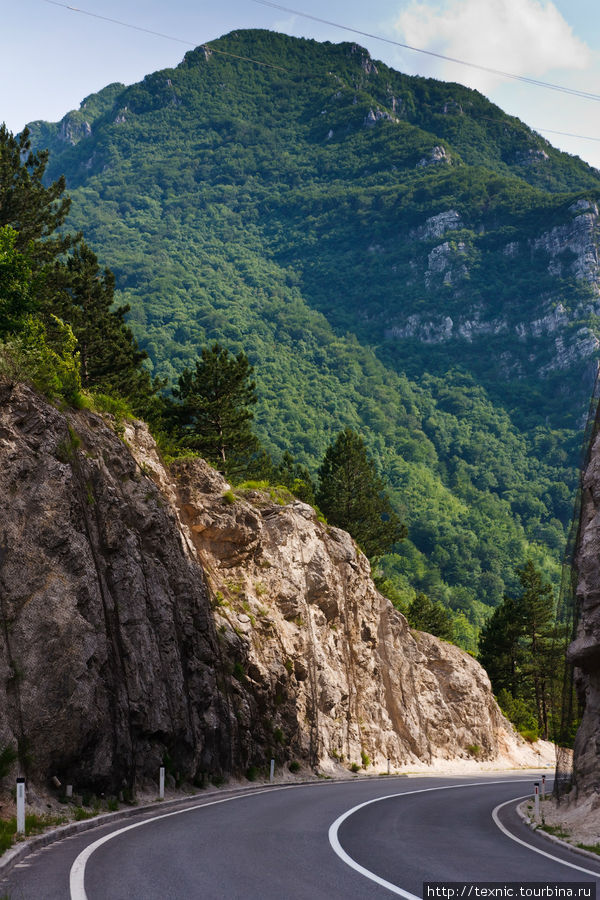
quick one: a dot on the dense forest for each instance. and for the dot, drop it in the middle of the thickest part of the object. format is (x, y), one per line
(374, 244)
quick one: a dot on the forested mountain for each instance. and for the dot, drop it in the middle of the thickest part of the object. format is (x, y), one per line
(394, 254)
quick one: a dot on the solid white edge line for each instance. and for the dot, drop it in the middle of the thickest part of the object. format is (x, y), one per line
(77, 873)
(513, 837)
(339, 850)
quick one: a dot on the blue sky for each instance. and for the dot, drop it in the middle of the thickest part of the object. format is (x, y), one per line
(52, 57)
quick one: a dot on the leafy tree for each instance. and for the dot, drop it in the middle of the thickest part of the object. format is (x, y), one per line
(519, 712)
(16, 295)
(294, 476)
(352, 496)
(45, 357)
(214, 411)
(429, 615)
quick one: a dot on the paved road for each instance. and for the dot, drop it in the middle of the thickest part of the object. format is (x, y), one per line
(274, 845)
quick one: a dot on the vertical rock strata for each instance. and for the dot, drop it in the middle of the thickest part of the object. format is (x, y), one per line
(585, 649)
(144, 615)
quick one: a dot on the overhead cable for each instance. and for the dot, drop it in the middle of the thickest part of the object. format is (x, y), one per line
(168, 37)
(462, 62)
(258, 62)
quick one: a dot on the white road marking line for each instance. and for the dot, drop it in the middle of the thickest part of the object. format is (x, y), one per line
(530, 846)
(338, 849)
(77, 874)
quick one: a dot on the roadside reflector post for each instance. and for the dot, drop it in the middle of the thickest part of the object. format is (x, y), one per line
(537, 799)
(21, 805)
(389, 769)
(543, 787)
(272, 770)
(69, 791)
(161, 783)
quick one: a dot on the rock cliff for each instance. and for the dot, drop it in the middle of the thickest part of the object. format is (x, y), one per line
(149, 614)
(585, 649)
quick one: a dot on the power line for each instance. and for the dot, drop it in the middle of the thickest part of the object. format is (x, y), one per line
(462, 62)
(168, 37)
(583, 137)
(259, 62)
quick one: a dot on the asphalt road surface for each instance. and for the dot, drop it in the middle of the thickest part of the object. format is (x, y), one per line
(290, 843)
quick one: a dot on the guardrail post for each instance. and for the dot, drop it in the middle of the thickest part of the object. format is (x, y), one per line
(21, 805)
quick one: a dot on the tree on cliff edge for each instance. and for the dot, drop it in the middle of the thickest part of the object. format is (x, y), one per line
(352, 496)
(214, 409)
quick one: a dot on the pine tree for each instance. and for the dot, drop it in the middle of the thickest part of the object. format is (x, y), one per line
(110, 358)
(518, 646)
(537, 604)
(26, 204)
(501, 650)
(352, 496)
(214, 412)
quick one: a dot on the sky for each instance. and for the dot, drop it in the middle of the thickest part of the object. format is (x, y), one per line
(52, 57)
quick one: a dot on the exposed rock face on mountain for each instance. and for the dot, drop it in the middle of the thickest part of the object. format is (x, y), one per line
(585, 650)
(144, 613)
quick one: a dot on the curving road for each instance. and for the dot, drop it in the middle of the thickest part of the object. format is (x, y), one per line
(370, 838)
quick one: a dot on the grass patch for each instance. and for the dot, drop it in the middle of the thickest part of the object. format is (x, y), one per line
(593, 848)
(34, 824)
(278, 493)
(114, 406)
(556, 830)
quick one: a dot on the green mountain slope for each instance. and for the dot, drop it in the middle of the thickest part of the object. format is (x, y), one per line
(393, 253)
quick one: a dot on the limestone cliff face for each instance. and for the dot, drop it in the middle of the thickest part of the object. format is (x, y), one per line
(585, 650)
(572, 250)
(143, 613)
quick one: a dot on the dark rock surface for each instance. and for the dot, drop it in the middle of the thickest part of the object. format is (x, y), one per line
(108, 654)
(585, 649)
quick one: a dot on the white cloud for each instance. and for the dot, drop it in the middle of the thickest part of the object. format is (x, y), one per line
(523, 37)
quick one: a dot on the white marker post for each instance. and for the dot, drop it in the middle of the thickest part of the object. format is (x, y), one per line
(537, 799)
(389, 770)
(272, 771)
(161, 783)
(21, 805)
(69, 791)
(543, 787)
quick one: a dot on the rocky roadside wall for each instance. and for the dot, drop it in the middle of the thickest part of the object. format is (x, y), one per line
(144, 617)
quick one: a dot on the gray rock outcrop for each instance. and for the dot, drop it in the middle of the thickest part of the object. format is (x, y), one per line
(149, 614)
